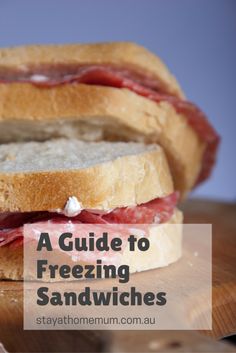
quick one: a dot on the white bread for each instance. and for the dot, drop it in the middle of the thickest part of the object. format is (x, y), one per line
(96, 113)
(42, 176)
(119, 54)
(165, 248)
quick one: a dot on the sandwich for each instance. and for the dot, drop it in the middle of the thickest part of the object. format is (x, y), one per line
(96, 134)
(67, 181)
(107, 91)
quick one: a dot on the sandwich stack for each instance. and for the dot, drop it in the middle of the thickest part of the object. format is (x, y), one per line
(98, 134)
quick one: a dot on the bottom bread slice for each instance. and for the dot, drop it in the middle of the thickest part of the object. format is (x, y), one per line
(165, 248)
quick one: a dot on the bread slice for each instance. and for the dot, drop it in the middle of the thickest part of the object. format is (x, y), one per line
(124, 55)
(101, 113)
(42, 176)
(165, 248)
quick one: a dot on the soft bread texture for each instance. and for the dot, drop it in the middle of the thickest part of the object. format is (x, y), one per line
(165, 248)
(101, 113)
(42, 176)
(122, 54)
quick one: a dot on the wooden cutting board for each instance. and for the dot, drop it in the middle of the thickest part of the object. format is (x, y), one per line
(223, 218)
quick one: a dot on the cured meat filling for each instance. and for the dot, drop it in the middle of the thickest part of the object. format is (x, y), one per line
(156, 211)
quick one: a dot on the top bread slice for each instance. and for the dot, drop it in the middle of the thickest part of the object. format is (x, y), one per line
(42, 176)
(97, 113)
(121, 54)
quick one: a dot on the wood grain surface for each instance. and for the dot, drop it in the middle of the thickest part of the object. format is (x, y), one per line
(223, 218)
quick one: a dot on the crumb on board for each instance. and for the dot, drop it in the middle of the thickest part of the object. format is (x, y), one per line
(14, 300)
(154, 345)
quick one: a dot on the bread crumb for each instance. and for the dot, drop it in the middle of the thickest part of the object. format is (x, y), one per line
(14, 300)
(154, 345)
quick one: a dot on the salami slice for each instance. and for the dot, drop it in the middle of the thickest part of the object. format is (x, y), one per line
(157, 211)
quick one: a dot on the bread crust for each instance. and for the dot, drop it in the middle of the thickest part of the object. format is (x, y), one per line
(125, 181)
(124, 114)
(121, 54)
(162, 252)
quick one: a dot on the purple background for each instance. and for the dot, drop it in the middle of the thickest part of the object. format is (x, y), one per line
(196, 38)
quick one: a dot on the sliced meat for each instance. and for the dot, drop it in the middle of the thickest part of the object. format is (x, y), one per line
(156, 211)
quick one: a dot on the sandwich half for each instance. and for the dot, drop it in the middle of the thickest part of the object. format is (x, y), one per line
(107, 91)
(72, 181)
